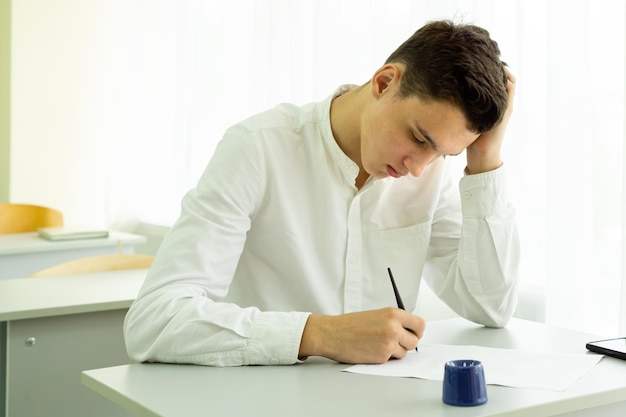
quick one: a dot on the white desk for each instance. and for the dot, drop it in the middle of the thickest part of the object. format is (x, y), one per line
(53, 328)
(22, 254)
(319, 388)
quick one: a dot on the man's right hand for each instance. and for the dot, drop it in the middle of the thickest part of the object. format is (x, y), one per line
(373, 336)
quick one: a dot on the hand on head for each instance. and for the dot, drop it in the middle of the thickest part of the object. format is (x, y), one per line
(484, 153)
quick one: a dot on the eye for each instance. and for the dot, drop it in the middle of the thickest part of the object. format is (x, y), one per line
(418, 140)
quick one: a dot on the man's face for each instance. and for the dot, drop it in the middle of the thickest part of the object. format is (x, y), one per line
(402, 136)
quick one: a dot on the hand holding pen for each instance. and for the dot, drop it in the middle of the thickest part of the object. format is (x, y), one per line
(370, 336)
(398, 298)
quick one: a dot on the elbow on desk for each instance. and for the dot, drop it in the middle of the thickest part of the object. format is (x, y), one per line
(495, 323)
(489, 320)
(135, 336)
(496, 316)
(144, 325)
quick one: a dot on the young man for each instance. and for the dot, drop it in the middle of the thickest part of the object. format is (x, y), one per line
(281, 251)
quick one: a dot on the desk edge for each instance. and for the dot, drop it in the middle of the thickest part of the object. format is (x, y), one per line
(116, 397)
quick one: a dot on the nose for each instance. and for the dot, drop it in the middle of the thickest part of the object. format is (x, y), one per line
(416, 166)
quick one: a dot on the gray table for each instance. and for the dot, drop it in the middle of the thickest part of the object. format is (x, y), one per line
(22, 254)
(53, 328)
(319, 388)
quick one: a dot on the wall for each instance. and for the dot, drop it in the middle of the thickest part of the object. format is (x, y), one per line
(5, 98)
(622, 323)
(58, 123)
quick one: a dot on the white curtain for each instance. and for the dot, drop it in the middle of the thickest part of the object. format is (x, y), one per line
(170, 76)
(622, 314)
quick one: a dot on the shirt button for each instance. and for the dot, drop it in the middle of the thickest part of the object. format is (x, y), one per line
(353, 170)
(467, 195)
(274, 361)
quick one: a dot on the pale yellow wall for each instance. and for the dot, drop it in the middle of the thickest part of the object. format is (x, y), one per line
(5, 98)
(59, 75)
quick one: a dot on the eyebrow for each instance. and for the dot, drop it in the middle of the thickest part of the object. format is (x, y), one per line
(426, 136)
(430, 140)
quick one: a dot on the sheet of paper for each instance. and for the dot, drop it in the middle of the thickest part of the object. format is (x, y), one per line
(508, 367)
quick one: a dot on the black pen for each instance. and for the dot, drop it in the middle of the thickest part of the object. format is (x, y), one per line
(398, 298)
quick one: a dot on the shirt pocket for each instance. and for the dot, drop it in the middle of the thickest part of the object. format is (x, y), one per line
(403, 250)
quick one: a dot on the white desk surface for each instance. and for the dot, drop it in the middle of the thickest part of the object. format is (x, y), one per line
(319, 388)
(24, 298)
(19, 243)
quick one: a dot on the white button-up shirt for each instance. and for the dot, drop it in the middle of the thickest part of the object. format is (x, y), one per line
(276, 230)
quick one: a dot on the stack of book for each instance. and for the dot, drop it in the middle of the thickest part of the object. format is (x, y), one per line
(70, 233)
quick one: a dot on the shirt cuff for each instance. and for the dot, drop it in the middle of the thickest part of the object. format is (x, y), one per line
(483, 194)
(275, 338)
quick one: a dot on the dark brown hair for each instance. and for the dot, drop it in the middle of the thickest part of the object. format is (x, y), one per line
(458, 63)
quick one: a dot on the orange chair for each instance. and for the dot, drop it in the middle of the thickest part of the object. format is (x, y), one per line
(23, 218)
(98, 263)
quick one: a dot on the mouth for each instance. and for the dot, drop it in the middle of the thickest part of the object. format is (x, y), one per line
(392, 172)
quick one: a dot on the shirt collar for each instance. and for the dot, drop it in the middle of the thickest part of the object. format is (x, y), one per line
(347, 166)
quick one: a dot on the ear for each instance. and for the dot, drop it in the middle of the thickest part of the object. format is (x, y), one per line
(385, 79)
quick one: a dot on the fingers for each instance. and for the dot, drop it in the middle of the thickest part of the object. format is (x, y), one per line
(509, 75)
(414, 326)
(510, 87)
(363, 337)
(407, 341)
(484, 154)
(408, 330)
